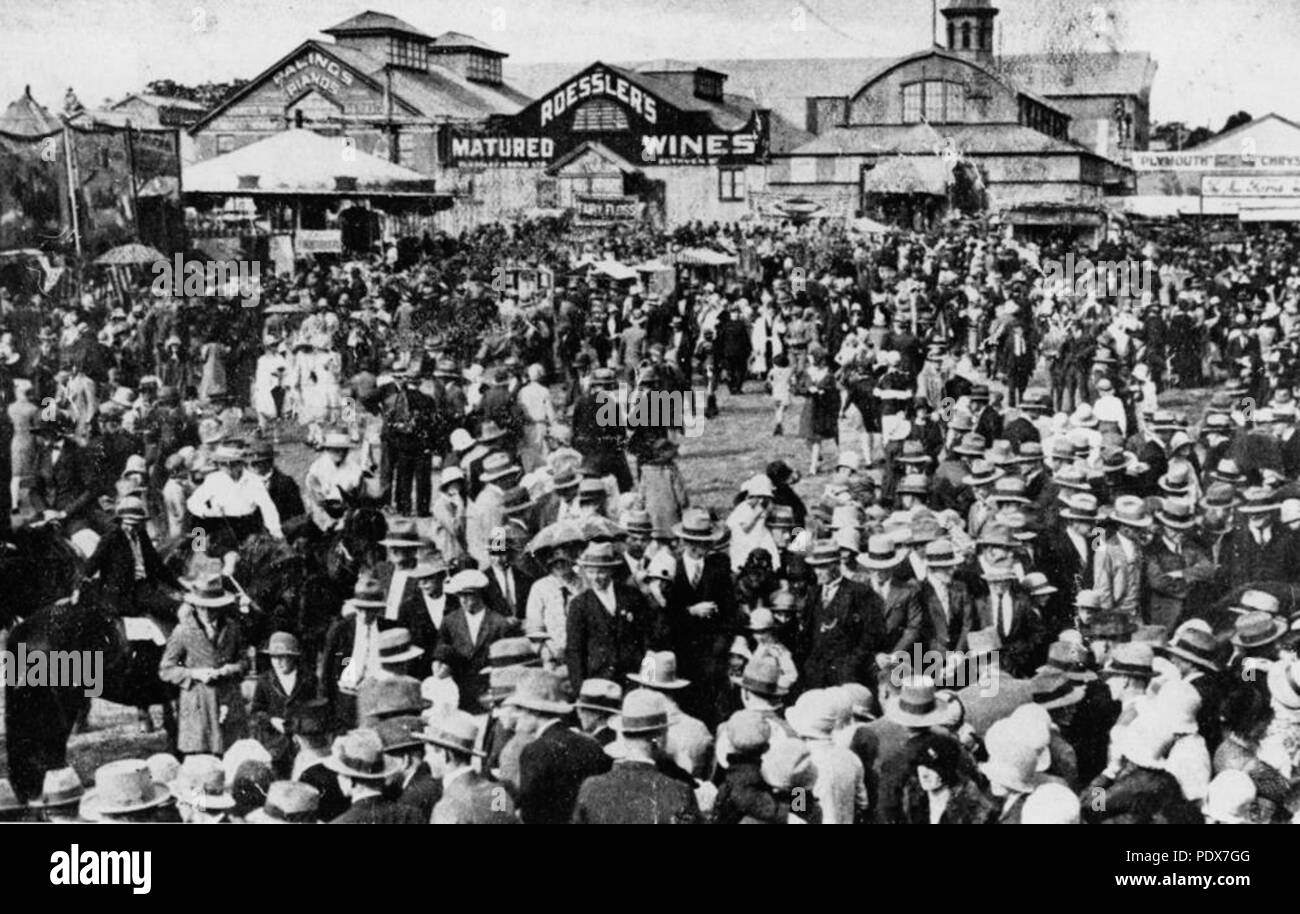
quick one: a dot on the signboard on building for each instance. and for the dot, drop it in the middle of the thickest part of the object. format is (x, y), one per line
(313, 69)
(1201, 161)
(1250, 185)
(319, 241)
(595, 209)
(631, 120)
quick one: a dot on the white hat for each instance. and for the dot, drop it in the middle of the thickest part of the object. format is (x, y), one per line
(1051, 804)
(758, 485)
(850, 459)
(1230, 798)
(469, 579)
(461, 440)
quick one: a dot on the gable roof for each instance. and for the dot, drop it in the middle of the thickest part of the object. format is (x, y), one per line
(373, 22)
(1271, 120)
(785, 84)
(456, 40)
(928, 139)
(600, 149)
(161, 101)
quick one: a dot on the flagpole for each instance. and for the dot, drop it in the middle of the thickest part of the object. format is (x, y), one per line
(68, 152)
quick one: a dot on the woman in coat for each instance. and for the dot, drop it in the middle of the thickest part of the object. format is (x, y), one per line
(662, 487)
(940, 790)
(205, 659)
(821, 413)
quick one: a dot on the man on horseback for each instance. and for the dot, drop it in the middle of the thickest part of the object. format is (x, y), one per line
(132, 579)
(232, 501)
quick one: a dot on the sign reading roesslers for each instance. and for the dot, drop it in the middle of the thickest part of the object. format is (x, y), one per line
(611, 108)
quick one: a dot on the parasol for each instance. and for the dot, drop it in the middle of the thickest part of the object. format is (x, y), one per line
(130, 254)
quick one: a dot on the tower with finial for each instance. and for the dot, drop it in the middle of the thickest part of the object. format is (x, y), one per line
(970, 28)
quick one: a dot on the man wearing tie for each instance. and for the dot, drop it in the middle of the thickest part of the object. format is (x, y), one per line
(1263, 551)
(424, 608)
(508, 587)
(845, 629)
(1020, 631)
(469, 632)
(896, 600)
(949, 609)
(549, 599)
(1176, 567)
(351, 652)
(610, 626)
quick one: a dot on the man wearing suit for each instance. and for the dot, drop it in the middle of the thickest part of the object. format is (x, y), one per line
(487, 512)
(1262, 550)
(309, 725)
(284, 492)
(553, 766)
(508, 585)
(845, 630)
(1010, 614)
(993, 693)
(362, 769)
(468, 798)
(424, 608)
(635, 791)
(896, 601)
(63, 480)
(1177, 567)
(351, 651)
(414, 785)
(1121, 562)
(469, 632)
(610, 626)
(947, 604)
(700, 615)
(132, 577)
(1070, 560)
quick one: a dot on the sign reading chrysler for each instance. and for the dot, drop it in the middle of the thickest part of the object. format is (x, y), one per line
(1204, 161)
(631, 121)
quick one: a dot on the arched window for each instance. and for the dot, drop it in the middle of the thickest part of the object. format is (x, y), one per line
(965, 36)
(599, 115)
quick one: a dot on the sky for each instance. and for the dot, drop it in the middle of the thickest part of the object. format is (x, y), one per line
(1215, 57)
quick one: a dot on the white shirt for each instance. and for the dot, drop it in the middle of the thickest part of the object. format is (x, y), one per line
(436, 607)
(506, 581)
(474, 621)
(548, 609)
(221, 496)
(1110, 408)
(288, 681)
(606, 598)
(694, 569)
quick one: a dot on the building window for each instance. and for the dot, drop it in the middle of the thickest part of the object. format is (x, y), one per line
(934, 101)
(403, 52)
(731, 184)
(912, 103)
(225, 143)
(405, 147)
(599, 115)
(965, 36)
(484, 68)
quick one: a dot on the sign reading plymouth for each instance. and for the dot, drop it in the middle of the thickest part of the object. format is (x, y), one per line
(1201, 161)
(609, 106)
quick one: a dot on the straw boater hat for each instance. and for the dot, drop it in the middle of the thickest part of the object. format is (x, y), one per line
(1036, 584)
(121, 788)
(402, 535)
(395, 646)
(882, 553)
(61, 788)
(1176, 513)
(228, 452)
(1131, 511)
(1258, 500)
(1262, 601)
(1257, 629)
(696, 526)
(497, 465)
(1135, 660)
(918, 704)
(1082, 506)
(600, 555)
(825, 552)
(539, 690)
(457, 731)
(1071, 659)
(201, 783)
(600, 695)
(336, 441)
(1195, 646)
(982, 473)
(941, 553)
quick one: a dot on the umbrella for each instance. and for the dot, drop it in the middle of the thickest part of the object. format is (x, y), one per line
(601, 528)
(561, 533)
(130, 254)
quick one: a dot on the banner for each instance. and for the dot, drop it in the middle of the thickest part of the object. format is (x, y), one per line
(1250, 186)
(1208, 161)
(319, 241)
(591, 209)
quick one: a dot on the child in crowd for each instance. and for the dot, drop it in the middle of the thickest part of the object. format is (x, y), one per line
(779, 378)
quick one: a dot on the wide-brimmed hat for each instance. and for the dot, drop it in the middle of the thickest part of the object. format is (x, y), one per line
(644, 711)
(914, 484)
(396, 646)
(882, 553)
(941, 553)
(1036, 584)
(1195, 646)
(919, 704)
(1133, 659)
(287, 803)
(762, 677)
(123, 787)
(1080, 506)
(401, 732)
(600, 555)
(402, 534)
(1176, 513)
(971, 445)
(1257, 629)
(913, 453)
(1052, 688)
(131, 506)
(517, 500)
(1219, 495)
(61, 787)
(201, 783)
(982, 473)
(336, 441)
(368, 592)
(601, 695)
(659, 671)
(282, 644)
(1014, 751)
(823, 552)
(208, 590)
(1262, 601)
(696, 526)
(498, 465)
(1229, 471)
(1011, 490)
(1258, 500)
(1131, 511)
(432, 568)
(1284, 684)
(1071, 659)
(1000, 535)
(489, 432)
(359, 754)
(457, 731)
(539, 690)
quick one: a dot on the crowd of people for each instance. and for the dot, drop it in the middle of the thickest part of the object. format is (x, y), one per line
(1028, 580)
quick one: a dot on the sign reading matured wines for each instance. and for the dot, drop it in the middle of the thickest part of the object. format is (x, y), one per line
(628, 118)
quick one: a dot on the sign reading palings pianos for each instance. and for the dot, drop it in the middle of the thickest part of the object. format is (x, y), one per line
(645, 130)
